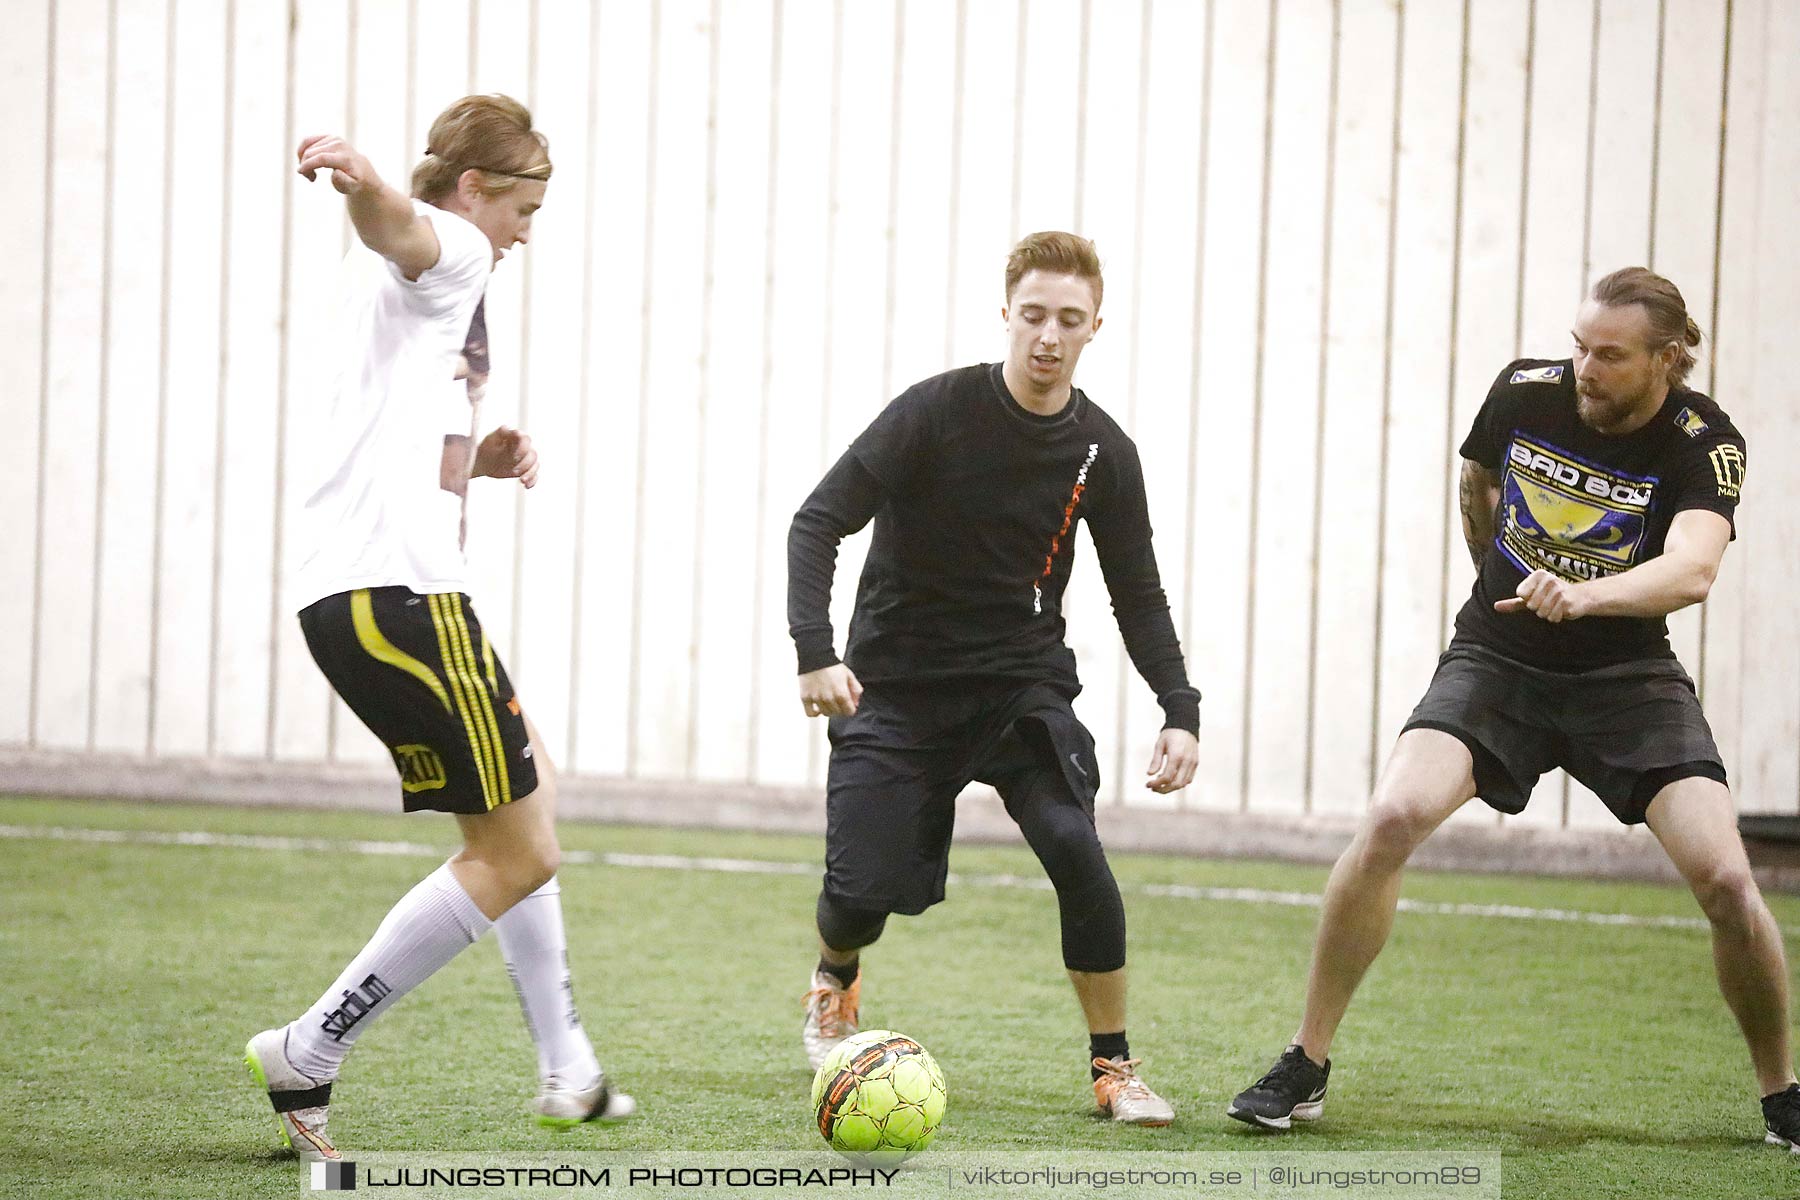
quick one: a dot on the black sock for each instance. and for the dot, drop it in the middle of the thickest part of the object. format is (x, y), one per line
(1107, 1045)
(846, 974)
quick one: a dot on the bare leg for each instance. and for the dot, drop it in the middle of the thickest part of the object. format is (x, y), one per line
(507, 854)
(838, 958)
(1102, 996)
(1429, 775)
(1695, 821)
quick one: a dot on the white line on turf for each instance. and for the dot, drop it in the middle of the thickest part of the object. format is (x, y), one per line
(752, 866)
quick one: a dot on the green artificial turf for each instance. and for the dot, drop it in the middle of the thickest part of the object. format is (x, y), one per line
(1600, 1061)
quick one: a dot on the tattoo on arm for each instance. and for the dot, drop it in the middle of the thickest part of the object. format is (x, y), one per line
(1477, 493)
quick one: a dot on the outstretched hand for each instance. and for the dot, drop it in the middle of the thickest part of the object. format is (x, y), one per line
(1173, 761)
(507, 453)
(830, 692)
(350, 170)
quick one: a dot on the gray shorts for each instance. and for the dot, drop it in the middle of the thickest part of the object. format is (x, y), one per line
(1626, 731)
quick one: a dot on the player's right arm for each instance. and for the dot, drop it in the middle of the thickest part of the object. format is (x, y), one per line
(1478, 493)
(845, 501)
(383, 215)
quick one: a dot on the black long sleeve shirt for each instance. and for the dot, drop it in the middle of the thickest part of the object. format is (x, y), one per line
(975, 502)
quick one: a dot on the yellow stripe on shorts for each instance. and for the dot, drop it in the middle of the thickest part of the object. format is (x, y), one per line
(460, 684)
(369, 635)
(460, 626)
(487, 658)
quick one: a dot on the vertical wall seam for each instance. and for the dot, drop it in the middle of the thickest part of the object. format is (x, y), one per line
(221, 417)
(1195, 355)
(635, 667)
(583, 398)
(1256, 412)
(829, 330)
(279, 548)
(162, 388)
(516, 637)
(1387, 396)
(953, 230)
(1018, 123)
(1318, 506)
(1453, 534)
(1525, 176)
(708, 292)
(1662, 22)
(772, 194)
(1712, 328)
(43, 446)
(108, 174)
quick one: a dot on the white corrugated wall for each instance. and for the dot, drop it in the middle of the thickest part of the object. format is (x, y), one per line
(1326, 224)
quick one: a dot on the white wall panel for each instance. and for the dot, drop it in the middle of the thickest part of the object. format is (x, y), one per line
(25, 120)
(1422, 558)
(317, 234)
(728, 564)
(1325, 224)
(553, 390)
(605, 462)
(132, 370)
(1685, 210)
(1343, 632)
(1153, 335)
(243, 540)
(74, 313)
(1487, 263)
(1769, 768)
(788, 746)
(1230, 377)
(1288, 412)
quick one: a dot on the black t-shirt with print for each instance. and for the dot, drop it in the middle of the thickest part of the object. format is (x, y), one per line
(975, 502)
(1583, 504)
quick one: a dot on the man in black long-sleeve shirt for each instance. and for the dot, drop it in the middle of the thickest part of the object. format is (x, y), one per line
(975, 480)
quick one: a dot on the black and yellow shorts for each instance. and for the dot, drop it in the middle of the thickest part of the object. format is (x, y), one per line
(421, 674)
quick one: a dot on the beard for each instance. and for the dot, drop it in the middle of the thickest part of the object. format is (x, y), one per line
(1605, 411)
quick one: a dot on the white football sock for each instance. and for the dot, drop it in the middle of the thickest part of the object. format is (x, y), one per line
(431, 925)
(537, 957)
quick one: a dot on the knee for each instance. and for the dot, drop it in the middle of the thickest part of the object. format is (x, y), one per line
(1729, 897)
(544, 862)
(1390, 833)
(531, 866)
(844, 927)
(1062, 836)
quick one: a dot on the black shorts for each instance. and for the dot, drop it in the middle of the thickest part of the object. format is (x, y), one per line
(420, 673)
(1626, 731)
(898, 764)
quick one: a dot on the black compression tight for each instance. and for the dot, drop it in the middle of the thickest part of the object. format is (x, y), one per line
(844, 928)
(1062, 836)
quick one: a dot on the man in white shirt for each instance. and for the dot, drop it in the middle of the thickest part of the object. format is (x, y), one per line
(381, 590)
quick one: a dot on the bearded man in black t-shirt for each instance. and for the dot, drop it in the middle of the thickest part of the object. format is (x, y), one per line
(1598, 495)
(956, 670)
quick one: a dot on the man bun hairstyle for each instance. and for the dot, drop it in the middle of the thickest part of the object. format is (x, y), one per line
(490, 134)
(1057, 253)
(1669, 320)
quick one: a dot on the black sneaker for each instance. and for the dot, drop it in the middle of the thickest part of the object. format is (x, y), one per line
(1294, 1090)
(1781, 1116)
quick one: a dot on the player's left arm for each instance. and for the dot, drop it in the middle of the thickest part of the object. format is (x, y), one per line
(1681, 575)
(503, 454)
(1122, 542)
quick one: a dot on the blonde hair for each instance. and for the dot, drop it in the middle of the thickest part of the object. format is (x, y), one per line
(1669, 320)
(490, 134)
(1058, 253)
